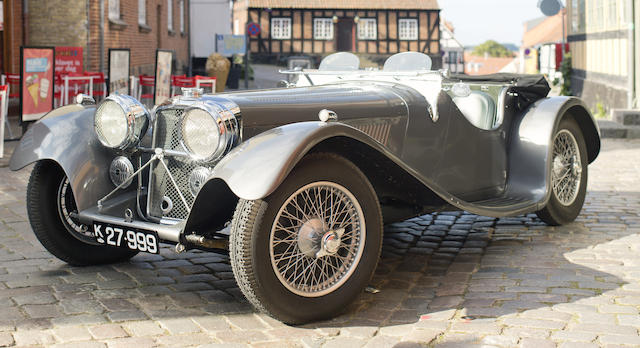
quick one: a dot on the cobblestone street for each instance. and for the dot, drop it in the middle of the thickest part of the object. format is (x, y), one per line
(447, 279)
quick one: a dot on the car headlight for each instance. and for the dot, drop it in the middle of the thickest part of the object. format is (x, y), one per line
(208, 131)
(120, 121)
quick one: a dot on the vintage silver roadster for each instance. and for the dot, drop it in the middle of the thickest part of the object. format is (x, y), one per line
(296, 182)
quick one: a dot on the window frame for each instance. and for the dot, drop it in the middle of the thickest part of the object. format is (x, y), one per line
(170, 16)
(281, 34)
(113, 12)
(142, 12)
(363, 32)
(407, 21)
(182, 21)
(325, 21)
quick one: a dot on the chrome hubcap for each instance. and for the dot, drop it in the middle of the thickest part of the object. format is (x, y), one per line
(567, 169)
(317, 239)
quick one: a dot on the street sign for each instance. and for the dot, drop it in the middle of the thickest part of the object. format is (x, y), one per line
(253, 29)
(549, 7)
(228, 45)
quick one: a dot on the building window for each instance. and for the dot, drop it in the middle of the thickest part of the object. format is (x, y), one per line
(114, 10)
(280, 28)
(323, 29)
(408, 29)
(181, 16)
(142, 12)
(612, 18)
(170, 15)
(597, 14)
(367, 29)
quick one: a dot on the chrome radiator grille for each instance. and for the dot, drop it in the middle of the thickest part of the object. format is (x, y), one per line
(167, 135)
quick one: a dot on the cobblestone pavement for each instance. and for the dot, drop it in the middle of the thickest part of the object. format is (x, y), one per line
(448, 279)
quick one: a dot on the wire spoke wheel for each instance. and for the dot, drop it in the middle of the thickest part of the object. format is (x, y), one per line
(67, 206)
(566, 174)
(317, 239)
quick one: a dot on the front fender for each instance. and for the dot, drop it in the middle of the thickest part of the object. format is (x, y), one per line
(531, 148)
(255, 168)
(66, 135)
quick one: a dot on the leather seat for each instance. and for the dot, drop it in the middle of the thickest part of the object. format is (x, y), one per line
(479, 108)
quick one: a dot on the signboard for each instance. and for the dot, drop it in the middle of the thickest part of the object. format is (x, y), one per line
(119, 69)
(228, 45)
(253, 29)
(36, 79)
(164, 59)
(4, 105)
(69, 60)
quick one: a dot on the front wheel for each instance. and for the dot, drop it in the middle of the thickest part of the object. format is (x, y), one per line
(568, 175)
(306, 251)
(50, 206)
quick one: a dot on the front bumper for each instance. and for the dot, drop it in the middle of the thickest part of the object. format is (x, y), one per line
(167, 233)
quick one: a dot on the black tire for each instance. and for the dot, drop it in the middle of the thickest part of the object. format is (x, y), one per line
(54, 233)
(250, 243)
(556, 213)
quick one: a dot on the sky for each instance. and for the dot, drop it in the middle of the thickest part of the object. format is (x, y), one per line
(477, 21)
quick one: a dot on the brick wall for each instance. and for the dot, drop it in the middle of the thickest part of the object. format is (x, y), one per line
(77, 23)
(143, 41)
(57, 23)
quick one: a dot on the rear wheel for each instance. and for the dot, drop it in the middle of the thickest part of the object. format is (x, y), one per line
(50, 206)
(306, 251)
(568, 175)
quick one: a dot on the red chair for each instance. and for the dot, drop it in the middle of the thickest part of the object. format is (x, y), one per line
(13, 79)
(98, 81)
(206, 81)
(150, 83)
(178, 82)
(58, 89)
(4, 111)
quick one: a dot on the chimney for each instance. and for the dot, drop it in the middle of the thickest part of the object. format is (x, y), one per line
(486, 55)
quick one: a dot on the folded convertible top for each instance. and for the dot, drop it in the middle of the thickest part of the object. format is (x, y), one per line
(537, 83)
(531, 87)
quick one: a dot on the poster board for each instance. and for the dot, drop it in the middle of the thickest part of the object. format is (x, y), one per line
(4, 105)
(162, 88)
(119, 70)
(228, 45)
(37, 66)
(69, 60)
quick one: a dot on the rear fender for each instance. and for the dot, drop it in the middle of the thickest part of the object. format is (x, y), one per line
(66, 135)
(530, 151)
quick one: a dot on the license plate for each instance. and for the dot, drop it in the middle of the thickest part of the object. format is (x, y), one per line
(126, 237)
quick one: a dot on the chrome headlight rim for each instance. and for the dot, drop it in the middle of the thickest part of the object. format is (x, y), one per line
(137, 120)
(226, 126)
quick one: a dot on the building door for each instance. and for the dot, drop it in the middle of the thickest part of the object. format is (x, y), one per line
(345, 34)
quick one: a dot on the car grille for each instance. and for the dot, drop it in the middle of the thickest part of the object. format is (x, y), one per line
(167, 135)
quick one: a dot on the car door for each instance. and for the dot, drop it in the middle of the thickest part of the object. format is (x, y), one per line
(474, 157)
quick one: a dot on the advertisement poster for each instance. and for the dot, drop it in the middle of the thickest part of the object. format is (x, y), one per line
(163, 76)
(36, 76)
(119, 70)
(69, 60)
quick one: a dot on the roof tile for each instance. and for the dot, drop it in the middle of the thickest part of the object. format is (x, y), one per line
(348, 4)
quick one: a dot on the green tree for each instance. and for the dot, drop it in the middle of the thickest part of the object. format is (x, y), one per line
(493, 48)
